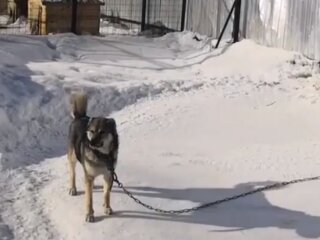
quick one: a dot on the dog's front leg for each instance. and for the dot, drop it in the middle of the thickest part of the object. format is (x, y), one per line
(108, 180)
(88, 193)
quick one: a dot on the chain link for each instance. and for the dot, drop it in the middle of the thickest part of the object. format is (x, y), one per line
(214, 203)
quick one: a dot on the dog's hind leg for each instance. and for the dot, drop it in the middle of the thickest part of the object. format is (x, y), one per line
(108, 180)
(88, 193)
(72, 161)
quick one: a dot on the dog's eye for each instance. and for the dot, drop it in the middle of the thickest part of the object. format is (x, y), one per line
(101, 132)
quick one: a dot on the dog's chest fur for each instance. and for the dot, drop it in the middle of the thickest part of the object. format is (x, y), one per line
(94, 170)
(96, 163)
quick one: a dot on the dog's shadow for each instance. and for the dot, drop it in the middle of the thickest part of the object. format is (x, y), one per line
(251, 212)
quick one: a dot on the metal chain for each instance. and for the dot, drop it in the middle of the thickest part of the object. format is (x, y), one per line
(210, 204)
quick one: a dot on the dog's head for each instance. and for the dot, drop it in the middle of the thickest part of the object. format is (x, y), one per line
(102, 134)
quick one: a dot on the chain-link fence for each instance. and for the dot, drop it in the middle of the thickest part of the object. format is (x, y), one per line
(148, 17)
(21, 25)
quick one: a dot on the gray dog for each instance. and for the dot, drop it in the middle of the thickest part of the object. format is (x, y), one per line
(94, 143)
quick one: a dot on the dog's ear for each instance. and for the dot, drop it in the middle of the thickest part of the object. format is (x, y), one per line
(111, 121)
(113, 125)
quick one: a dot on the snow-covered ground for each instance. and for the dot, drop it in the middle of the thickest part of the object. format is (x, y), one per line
(195, 126)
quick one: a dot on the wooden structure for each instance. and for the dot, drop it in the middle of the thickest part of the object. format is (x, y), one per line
(3, 7)
(47, 16)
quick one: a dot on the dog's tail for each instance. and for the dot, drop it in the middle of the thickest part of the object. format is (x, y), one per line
(79, 102)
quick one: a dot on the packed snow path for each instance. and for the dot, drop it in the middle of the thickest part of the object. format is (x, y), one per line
(209, 126)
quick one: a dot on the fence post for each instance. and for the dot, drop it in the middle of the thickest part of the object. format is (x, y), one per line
(143, 15)
(183, 14)
(218, 18)
(226, 24)
(74, 16)
(245, 19)
(236, 23)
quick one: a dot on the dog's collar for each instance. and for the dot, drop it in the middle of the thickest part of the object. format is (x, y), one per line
(89, 119)
(100, 154)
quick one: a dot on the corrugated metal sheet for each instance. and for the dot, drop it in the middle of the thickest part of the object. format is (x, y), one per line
(208, 16)
(289, 24)
(293, 25)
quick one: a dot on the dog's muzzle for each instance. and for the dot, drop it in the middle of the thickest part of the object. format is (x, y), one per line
(96, 142)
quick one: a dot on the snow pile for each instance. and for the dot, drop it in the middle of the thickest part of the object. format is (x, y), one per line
(34, 118)
(242, 58)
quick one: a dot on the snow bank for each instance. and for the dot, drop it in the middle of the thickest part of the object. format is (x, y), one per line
(157, 53)
(34, 115)
(18, 50)
(34, 118)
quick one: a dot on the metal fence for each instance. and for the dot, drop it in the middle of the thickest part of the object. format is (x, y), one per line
(149, 17)
(143, 17)
(121, 17)
(21, 26)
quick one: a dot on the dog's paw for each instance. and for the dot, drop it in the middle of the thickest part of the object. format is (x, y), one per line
(72, 191)
(108, 211)
(89, 218)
